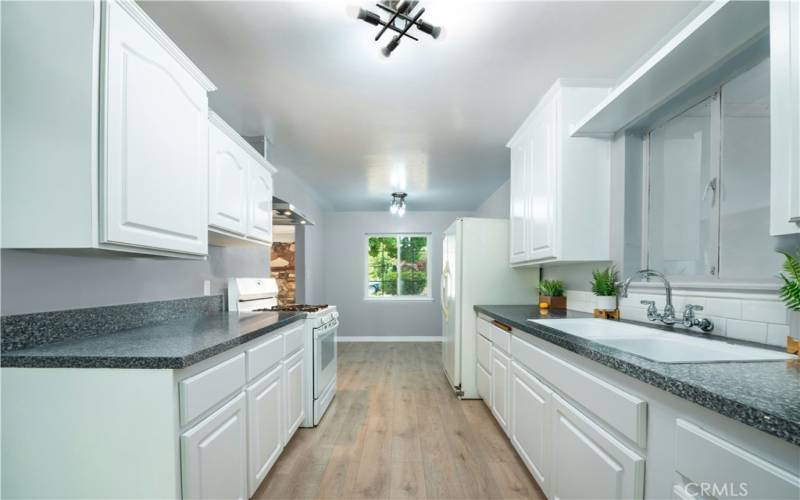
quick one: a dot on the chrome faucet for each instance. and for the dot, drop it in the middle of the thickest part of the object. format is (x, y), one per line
(668, 316)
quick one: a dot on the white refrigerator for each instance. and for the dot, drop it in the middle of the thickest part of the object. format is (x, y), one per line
(476, 271)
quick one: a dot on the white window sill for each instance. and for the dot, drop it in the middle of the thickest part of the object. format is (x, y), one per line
(398, 299)
(655, 285)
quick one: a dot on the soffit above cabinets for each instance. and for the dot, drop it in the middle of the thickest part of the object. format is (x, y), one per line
(702, 47)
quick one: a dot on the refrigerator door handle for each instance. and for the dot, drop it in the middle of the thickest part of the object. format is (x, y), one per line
(443, 290)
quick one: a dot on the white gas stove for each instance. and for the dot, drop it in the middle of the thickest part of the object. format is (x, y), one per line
(322, 321)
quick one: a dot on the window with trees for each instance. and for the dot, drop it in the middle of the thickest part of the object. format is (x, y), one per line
(397, 266)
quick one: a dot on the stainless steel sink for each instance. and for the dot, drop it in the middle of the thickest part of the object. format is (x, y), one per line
(658, 345)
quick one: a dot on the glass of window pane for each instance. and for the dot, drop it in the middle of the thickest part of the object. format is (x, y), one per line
(413, 265)
(746, 248)
(382, 266)
(681, 228)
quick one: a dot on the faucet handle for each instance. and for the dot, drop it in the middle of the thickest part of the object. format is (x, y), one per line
(692, 307)
(648, 302)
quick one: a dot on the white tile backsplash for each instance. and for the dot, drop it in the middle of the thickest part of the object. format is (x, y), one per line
(768, 312)
(776, 334)
(753, 331)
(727, 308)
(761, 318)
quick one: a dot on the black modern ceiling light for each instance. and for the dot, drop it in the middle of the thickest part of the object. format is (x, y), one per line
(398, 206)
(401, 19)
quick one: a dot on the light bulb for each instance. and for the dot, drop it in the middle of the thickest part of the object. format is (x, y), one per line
(393, 207)
(402, 210)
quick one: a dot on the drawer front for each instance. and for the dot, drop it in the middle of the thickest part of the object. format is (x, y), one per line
(705, 459)
(204, 390)
(293, 340)
(264, 356)
(499, 337)
(485, 386)
(620, 410)
(485, 353)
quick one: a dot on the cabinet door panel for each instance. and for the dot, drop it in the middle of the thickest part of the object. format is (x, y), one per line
(542, 182)
(265, 425)
(519, 205)
(260, 225)
(530, 423)
(228, 166)
(484, 385)
(154, 163)
(582, 449)
(294, 408)
(501, 372)
(214, 454)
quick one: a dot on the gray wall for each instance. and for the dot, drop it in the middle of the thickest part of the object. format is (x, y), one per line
(344, 267)
(310, 243)
(497, 205)
(36, 281)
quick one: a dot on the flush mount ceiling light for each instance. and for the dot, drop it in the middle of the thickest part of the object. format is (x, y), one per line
(398, 206)
(401, 19)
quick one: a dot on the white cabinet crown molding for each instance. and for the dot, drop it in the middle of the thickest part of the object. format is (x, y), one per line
(239, 140)
(152, 28)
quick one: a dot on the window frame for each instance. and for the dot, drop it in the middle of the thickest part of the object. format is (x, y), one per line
(705, 282)
(427, 297)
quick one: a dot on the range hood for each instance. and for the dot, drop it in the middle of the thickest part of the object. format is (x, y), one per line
(286, 214)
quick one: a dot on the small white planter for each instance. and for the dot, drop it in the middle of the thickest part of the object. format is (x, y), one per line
(604, 303)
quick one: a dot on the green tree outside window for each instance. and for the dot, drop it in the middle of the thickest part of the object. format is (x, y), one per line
(397, 265)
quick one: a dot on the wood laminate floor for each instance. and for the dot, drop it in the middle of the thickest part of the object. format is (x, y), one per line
(395, 430)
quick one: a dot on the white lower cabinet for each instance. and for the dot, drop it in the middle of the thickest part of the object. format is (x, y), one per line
(530, 423)
(213, 454)
(711, 466)
(501, 376)
(484, 385)
(264, 425)
(588, 462)
(294, 369)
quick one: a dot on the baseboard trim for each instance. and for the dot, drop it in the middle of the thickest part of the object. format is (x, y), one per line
(390, 339)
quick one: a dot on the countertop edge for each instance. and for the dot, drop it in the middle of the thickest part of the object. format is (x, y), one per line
(772, 424)
(10, 360)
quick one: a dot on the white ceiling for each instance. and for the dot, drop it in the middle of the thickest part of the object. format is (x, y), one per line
(433, 119)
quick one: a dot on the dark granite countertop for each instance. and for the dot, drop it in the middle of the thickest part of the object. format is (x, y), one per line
(764, 395)
(171, 344)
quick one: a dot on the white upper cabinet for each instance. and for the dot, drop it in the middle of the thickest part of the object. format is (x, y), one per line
(260, 202)
(519, 204)
(240, 189)
(127, 166)
(560, 185)
(228, 171)
(155, 142)
(784, 117)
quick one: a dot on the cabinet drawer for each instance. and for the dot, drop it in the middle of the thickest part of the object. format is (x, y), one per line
(484, 353)
(499, 337)
(703, 458)
(293, 339)
(264, 356)
(484, 386)
(620, 410)
(204, 390)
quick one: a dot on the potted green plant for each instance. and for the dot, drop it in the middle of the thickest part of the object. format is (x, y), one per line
(790, 291)
(551, 292)
(604, 286)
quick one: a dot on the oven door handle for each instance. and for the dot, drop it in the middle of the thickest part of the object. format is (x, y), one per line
(324, 333)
